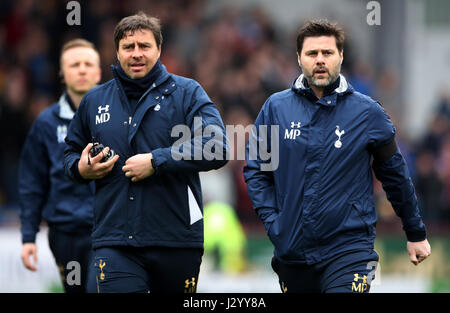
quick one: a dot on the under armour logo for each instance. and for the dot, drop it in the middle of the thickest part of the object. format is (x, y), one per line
(338, 133)
(103, 109)
(357, 277)
(295, 124)
(190, 285)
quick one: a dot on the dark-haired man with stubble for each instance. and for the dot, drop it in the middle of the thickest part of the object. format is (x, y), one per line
(318, 206)
(148, 220)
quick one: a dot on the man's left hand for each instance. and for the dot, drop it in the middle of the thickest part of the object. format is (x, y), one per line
(139, 167)
(418, 251)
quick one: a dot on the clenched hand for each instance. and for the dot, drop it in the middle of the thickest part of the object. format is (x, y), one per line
(139, 167)
(418, 251)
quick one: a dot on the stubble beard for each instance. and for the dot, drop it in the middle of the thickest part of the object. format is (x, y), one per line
(332, 76)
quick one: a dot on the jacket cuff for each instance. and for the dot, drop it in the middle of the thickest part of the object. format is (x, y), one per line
(416, 236)
(29, 238)
(414, 229)
(158, 159)
(154, 166)
(76, 174)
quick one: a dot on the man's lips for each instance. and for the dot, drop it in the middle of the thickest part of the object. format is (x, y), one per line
(137, 66)
(320, 71)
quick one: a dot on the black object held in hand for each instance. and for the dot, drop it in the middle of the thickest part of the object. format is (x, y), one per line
(96, 149)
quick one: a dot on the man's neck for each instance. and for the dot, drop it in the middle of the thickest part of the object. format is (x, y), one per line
(75, 97)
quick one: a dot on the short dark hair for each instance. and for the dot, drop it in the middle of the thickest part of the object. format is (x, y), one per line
(316, 28)
(128, 25)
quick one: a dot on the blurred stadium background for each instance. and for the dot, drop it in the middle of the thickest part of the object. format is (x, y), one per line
(241, 52)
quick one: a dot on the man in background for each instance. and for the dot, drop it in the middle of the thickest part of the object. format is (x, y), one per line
(45, 191)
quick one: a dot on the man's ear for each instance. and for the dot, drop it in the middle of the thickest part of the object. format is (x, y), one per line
(298, 60)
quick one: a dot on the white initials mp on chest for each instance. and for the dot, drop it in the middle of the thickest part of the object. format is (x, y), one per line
(294, 132)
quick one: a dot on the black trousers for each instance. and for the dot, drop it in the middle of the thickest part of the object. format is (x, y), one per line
(350, 272)
(147, 269)
(73, 255)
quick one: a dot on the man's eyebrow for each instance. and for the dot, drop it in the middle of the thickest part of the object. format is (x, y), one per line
(144, 44)
(316, 50)
(139, 43)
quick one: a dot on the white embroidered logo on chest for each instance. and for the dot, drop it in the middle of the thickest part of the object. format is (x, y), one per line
(61, 133)
(294, 132)
(338, 133)
(103, 116)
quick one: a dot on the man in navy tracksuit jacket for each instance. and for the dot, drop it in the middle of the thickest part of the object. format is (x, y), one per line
(45, 191)
(317, 205)
(148, 226)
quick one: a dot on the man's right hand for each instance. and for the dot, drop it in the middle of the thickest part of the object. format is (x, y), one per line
(96, 169)
(29, 250)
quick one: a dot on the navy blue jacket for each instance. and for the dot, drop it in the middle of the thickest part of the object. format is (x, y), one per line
(319, 201)
(164, 209)
(44, 189)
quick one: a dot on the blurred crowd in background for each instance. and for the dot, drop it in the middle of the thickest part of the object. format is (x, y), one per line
(238, 55)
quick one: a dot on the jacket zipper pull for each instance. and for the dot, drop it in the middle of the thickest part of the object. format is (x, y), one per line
(129, 120)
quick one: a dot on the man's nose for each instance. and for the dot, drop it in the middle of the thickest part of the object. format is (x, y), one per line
(82, 68)
(137, 53)
(320, 58)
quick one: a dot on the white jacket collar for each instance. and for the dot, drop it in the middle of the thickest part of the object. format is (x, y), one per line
(65, 110)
